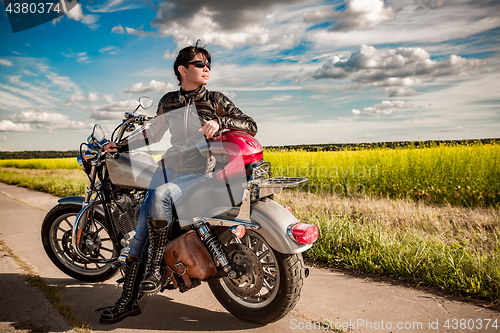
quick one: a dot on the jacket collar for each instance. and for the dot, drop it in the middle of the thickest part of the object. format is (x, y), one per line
(193, 95)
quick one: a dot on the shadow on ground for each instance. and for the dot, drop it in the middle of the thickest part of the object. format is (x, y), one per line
(200, 312)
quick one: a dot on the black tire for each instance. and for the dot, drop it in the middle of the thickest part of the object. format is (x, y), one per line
(56, 239)
(281, 300)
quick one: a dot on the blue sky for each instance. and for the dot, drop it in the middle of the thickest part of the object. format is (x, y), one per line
(307, 71)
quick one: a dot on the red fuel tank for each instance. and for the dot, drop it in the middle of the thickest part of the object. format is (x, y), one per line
(242, 149)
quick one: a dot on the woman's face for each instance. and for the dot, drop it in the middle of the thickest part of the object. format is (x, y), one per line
(192, 76)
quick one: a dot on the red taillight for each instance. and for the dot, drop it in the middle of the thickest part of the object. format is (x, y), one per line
(304, 233)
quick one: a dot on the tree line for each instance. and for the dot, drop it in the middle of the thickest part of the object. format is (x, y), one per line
(27, 154)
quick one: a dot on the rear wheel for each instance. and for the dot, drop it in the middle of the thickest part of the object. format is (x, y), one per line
(270, 286)
(56, 238)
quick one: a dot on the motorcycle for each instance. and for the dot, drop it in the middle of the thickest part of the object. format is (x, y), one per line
(251, 245)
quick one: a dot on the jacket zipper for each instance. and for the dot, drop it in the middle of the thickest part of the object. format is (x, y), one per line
(186, 117)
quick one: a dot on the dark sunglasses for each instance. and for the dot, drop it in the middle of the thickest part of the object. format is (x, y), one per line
(199, 64)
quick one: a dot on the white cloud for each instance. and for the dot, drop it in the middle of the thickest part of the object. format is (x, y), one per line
(454, 129)
(113, 110)
(383, 108)
(400, 91)
(63, 82)
(432, 3)
(78, 97)
(106, 115)
(40, 95)
(118, 29)
(229, 95)
(139, 88)
(111, 6)
(63, 125)
(358, 14)
(29, 73)
(139, 32)
(16, 79)
(399, 68)
(76, 14)
(170, 55)
(9, 126)
(109, 50)
(416, 26)
(6, 62)
(3, 138)
(282, 98)
(226, 23)
(81, 57)
(45, 120)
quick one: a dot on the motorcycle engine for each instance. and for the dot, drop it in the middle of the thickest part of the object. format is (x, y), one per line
(125, 212)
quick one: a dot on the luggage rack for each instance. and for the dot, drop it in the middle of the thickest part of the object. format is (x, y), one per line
(277, 184)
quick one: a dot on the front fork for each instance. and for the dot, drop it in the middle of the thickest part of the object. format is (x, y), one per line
(83, 217)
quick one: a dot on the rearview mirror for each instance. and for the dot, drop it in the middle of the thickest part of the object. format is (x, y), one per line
(98, 133)
(145, 102)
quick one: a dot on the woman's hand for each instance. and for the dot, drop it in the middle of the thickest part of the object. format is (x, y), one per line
(111, 148)
(210, 128)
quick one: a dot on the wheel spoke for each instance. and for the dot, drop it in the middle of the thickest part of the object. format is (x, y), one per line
(263, 254)
(69, 224)
(105, 239)
(257, 246)
(106, 249)
(61, 229)
(268, 264)
(267, 286)
(269, 275)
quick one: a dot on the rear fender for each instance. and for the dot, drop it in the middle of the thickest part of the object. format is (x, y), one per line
(274, 221)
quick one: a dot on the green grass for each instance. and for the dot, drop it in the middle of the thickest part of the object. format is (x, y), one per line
(464, 175)
(404, 253)
(41, 163)
(453, 248)
(59, 182)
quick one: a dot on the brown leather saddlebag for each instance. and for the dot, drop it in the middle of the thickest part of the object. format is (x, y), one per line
(188, 257)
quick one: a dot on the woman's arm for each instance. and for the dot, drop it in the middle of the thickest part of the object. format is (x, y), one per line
(147, 136)
(229, 116)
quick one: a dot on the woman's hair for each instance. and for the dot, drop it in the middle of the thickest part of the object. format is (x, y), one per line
(187, 54)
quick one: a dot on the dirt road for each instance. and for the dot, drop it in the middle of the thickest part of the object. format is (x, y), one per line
(329, 299)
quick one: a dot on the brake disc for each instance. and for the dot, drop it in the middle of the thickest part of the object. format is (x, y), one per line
(90, 248)
(68, 247)
(252, 280)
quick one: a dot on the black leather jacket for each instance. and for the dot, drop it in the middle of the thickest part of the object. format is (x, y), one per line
(184, 113)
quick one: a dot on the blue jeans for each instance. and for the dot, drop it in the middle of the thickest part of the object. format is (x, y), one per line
(165, 188)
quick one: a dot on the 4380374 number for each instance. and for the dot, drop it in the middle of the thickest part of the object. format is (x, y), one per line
(471, 324)
(33, 8)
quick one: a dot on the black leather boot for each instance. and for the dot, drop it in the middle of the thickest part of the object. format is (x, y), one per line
(127, 304)
(155, 276)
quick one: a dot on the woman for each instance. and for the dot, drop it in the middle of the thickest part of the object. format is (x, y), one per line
(189, 113)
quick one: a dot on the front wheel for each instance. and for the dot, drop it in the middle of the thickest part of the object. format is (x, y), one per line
(56, 237)
(270, 286)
